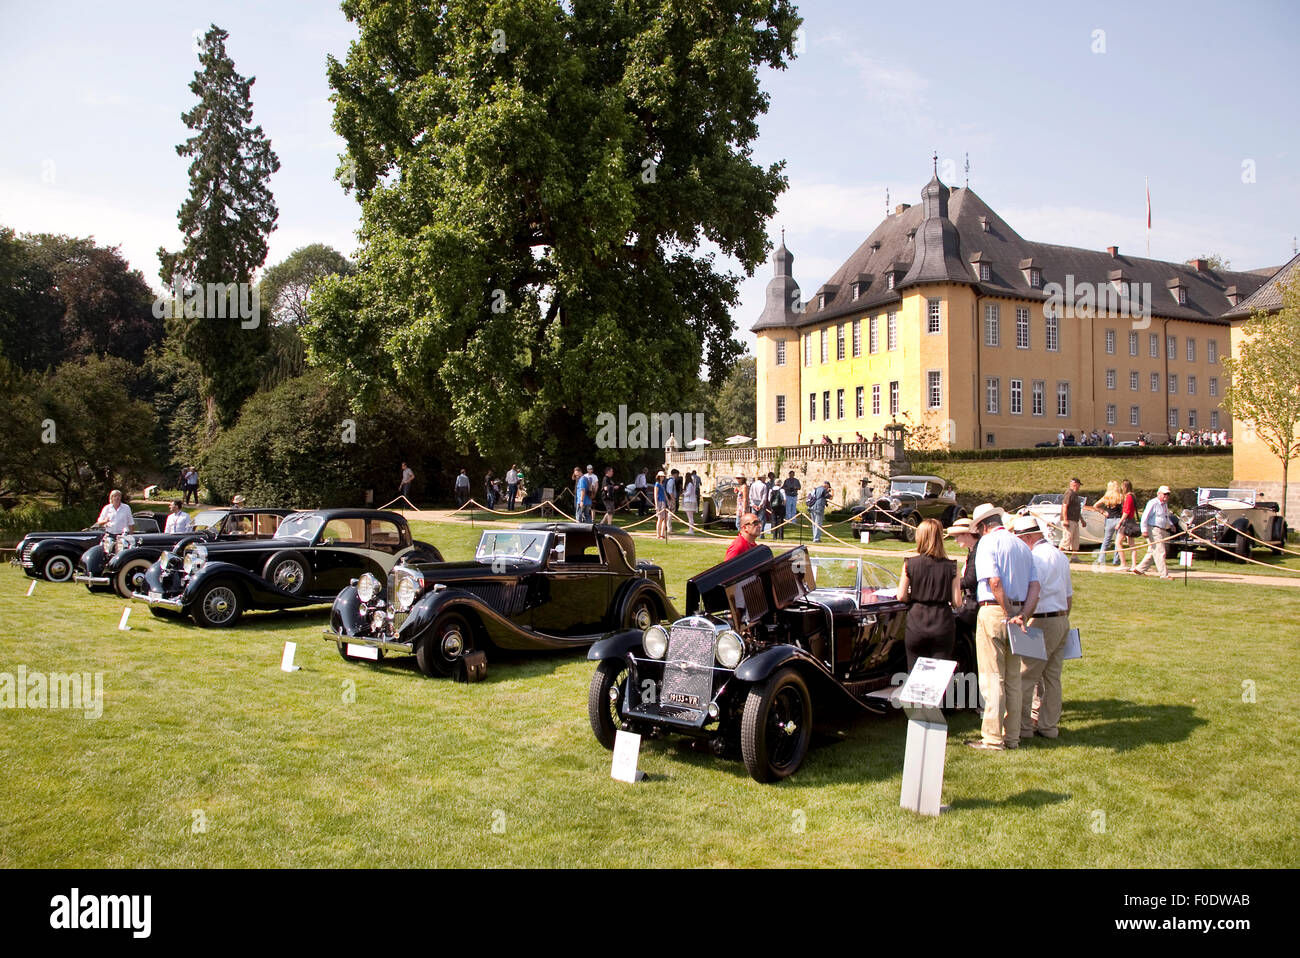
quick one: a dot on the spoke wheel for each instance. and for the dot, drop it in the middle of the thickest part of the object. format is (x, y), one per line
(444, 645)
(908, 531)
(289, 572)
(58, 568)
(217, 606)
(604, 696)
(776, 727)
(130, 577)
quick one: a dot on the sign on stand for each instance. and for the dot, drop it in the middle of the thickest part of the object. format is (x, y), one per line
(627, 747)
(1185, 560)
(927, 734)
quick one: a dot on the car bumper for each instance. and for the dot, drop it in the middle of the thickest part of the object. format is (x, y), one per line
(157, 600)
(370, 641)
(91, 579)
(876, 527)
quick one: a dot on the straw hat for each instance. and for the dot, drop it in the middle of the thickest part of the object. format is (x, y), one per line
(982, 512)
(960, 527)
(1028, 523)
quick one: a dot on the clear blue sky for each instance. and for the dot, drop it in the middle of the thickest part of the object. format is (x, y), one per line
(1060, 137)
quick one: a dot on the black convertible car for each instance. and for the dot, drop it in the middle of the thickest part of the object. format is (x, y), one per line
(53, 555)
(309, 560)
(556, 585)
(769, 644)
(118, 562)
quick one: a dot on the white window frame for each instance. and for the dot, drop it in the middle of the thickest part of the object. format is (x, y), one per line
(873, 334)
(857, 401)
(1132, 343)
(780, 352)
(992, 325)
(875, 399)
(857, 338)
(993, 395)
(1211, 351)
(1016, 397)
(1110, 379)
(891, 331)
(1111, 412)
(1110, 342)
(1022, 327)
(1038, 397)
(934, 389)
(1134, 380)
(780, 408)
(1051, 332)
(1063, 399)
(893, 398)
(934, 316)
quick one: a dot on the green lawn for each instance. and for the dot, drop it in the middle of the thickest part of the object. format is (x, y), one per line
(208, 755)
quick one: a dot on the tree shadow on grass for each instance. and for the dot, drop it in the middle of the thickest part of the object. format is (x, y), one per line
(1122, 725)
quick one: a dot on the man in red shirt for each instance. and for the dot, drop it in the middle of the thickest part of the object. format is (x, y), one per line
(750, 527)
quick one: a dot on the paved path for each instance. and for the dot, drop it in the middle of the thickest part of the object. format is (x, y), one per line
(1209, 574)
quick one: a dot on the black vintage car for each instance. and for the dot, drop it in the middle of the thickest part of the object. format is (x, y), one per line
(118, 562)
(769, 644)
(910, 500)
(544, 585)
(54, 555)
(309, 560)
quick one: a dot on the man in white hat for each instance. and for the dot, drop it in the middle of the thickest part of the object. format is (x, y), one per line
(1008, 591)
(1040, 679)
(1157, 523)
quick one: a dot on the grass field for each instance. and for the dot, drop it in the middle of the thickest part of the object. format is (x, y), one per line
(1179, 746)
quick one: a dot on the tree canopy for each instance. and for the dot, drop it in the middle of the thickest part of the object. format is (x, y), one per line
(538, 182)
(1263, 375)
(225, 222)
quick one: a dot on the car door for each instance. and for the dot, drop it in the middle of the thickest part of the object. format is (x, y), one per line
(340, 555)
(576, 588)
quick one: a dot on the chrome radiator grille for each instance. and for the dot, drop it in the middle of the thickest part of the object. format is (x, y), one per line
(688, 668)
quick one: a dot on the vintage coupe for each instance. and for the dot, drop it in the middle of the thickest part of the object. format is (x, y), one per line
(309, 560)
(545, 585)
(53, 555)
(1230, 521)
(769, 644)
(1046, 506)
(118, 562)
(910, 500)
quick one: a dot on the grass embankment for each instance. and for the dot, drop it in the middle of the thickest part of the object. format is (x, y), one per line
(1179, 735)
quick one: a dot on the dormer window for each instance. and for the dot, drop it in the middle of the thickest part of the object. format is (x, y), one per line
(984, 223)
(821, 302)
(981, 266)
(1178, 291)
(889, 280)
(1233, 296)
(859, 286)
(911, 235)
(1033, 275)
(826, 295)
(986, 272)
(1182, 296)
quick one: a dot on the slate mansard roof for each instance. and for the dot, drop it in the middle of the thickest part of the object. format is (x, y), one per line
(947, 236)
(1268, 296)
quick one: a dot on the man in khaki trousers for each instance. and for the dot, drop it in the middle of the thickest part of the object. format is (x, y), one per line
(1040, 679)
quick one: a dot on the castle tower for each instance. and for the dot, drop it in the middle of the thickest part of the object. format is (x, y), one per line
(779, 359)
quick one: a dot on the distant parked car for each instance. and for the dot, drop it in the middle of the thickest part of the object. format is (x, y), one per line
(118, 562)
(53, 555)
(1046, 506)
(311, 558)
(910, 500)
(1231, 520)
(544, 585)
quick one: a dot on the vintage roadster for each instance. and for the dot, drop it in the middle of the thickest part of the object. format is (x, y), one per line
(769, 644)
(542, 586)
(53, 555)
(309, 560)
(118, 562)
(1233, 522)
(910, 500)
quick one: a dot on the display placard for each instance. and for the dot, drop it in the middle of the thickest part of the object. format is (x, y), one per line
(1073, 645)
(32, 587)
(121, 625)
(286, 659)
(1026, 643)
(627, 748)
(1185, 560)
(927, 683)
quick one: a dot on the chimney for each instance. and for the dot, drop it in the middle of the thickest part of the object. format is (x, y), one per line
(1113, 251)
(1200, 265)
(901, 207)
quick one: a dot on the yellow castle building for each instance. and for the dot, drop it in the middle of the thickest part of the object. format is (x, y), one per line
(947, 317)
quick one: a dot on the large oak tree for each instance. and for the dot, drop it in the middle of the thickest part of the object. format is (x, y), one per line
(539, 184)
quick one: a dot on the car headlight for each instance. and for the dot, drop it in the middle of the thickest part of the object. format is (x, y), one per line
(126, 542)
(195, 556)
(377, 621)
(407, 591)
(368, 587)
(655, 641)
(165, 560)
(106, 543)
(729, 649)
(894, 504)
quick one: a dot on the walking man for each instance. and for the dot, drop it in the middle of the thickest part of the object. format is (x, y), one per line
(404, 489)
(1157, 523)
(817, 502)
(1071, 518)
(512, 486)
(758, 494)
(1007, 592)
(791, 488)
(462, 489)
(1040, 679)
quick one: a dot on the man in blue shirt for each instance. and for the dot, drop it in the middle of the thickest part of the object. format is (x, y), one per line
(1007, 593)
(1157, 523)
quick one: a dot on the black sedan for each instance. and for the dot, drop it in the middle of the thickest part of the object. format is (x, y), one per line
(541, 586)
(53, 555)
(769, 644)
(309, 560)
(118, 562)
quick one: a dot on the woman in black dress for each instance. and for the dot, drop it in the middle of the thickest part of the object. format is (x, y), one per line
(930, 586)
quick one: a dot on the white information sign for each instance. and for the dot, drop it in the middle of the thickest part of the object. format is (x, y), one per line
(927, 683)
(122, 626)
(1073, 646)
(1027, 643)
(286, 660)
(627, 747)
(1185, 560)
(32, 587)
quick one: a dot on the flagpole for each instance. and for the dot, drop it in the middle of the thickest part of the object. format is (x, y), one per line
(1148, 182)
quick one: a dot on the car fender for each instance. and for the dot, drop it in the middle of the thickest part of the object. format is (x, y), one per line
(122, 558)
(616, 646)
(51, 547)
(345, 614)
(258, 591)
(93, 560)
(634, 589)
(821, 683)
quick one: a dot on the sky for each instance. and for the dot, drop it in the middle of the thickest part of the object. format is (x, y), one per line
(1065, 112)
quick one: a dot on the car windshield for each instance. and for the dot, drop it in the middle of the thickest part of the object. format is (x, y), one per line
(511, 545)
(1046, 499)
(915, 487)
(833, 572)
(208, 518)
(301, 525)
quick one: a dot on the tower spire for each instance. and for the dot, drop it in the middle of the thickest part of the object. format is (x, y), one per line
(936, 162)
(967, 171)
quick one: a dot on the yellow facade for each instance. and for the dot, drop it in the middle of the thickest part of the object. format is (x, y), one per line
(1095, 372)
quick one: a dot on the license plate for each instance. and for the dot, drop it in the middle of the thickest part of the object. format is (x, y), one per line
(363, 652)
(155, 596)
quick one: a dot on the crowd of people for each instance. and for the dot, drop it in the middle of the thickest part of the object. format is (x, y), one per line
(1205, 437)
